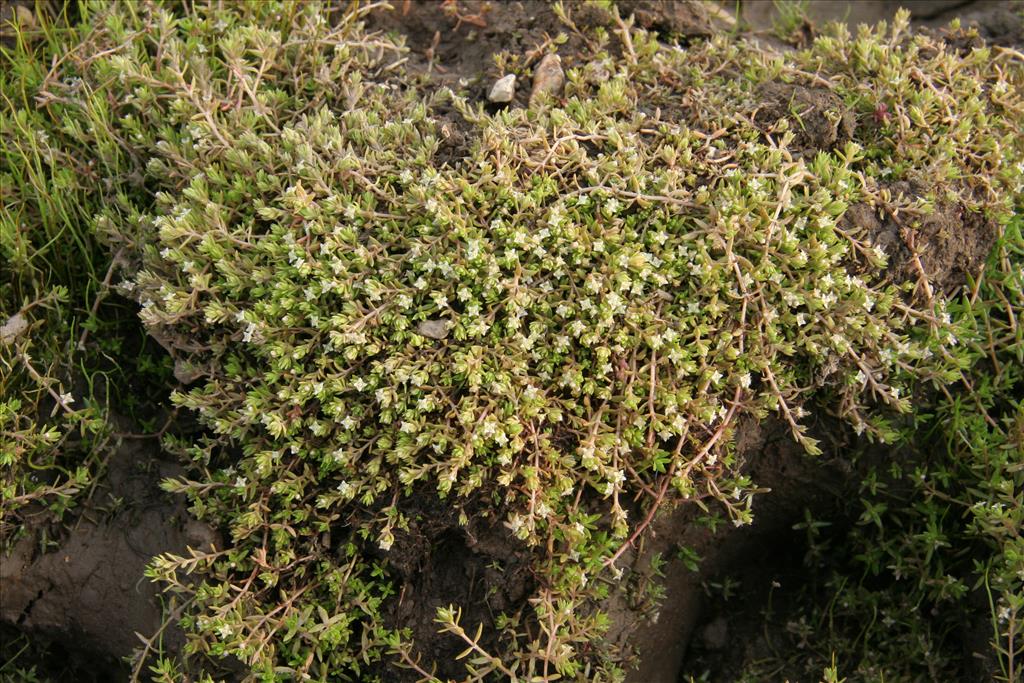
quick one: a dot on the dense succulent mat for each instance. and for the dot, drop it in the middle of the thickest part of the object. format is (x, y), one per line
(450, 359)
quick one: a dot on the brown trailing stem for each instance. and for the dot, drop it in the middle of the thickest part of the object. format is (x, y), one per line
(667, 479)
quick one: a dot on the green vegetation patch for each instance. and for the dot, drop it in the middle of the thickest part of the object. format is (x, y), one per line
(543, 325)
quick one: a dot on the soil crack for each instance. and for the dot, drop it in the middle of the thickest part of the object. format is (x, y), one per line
(27, 611)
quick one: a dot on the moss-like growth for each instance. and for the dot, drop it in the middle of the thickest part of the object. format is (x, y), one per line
(552, 328)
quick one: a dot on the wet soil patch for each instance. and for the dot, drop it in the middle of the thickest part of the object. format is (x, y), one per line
(745, 609)
(672, 20)
(88, 594)
(996, 24)
(945, 246)
(819, 120)
(456, 41)
(437, 562)
(57, 660)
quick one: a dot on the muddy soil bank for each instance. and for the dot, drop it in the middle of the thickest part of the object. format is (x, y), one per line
(86, 592)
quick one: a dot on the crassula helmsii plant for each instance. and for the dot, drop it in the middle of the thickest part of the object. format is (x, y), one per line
(556, 326)
(932, 568)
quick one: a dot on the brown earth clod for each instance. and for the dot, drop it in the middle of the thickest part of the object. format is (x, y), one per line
(819, 120)
(950, 243)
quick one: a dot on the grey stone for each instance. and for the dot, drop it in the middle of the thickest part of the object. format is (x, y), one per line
(503, 90)
(434, 329)
(716, 634)
(548, 79)
(13, 328)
